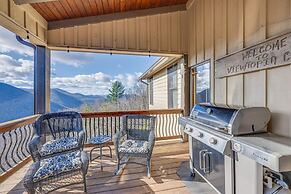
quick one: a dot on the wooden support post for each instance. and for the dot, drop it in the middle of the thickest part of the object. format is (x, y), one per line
(186, 96)
(41, 80)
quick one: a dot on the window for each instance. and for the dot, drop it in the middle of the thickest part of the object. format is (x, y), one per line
(172, 87)
(16, 78)
(151, 91)
(202, 82)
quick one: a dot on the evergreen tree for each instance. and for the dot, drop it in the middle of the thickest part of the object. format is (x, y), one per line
(116, 91)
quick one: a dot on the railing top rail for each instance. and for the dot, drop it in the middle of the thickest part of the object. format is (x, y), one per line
(132, 112)
(7, 126)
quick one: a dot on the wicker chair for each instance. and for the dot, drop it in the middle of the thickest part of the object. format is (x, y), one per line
(57, 151)
(135, 139)
(57, 133)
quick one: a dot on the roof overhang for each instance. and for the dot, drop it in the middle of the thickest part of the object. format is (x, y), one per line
(162, 63)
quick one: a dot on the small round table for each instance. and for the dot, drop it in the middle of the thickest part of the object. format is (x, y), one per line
(100, 142)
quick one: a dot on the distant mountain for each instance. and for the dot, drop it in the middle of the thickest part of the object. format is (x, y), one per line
(73, 100)
(16, 103)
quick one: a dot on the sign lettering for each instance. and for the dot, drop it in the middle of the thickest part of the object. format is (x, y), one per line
(271, 53)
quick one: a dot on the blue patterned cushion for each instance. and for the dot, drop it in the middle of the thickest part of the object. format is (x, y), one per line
(58, 164)
(134, 146)
(59, 145)
(100, 139)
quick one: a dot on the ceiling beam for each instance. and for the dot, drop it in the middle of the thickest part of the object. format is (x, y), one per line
(21, 2)
(115, 16)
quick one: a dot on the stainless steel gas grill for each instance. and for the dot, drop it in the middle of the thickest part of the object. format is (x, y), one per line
(210, 128)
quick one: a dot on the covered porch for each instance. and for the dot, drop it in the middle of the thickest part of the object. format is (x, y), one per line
(241, 48)
(167, 157)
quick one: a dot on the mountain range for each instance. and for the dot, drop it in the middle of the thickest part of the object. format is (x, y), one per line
(17, 102)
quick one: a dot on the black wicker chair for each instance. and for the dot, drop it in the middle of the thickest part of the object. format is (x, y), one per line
(135, 139)
(57, 151)
(57, 133)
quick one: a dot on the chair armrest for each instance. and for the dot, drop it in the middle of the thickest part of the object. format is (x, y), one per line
(34, 146)
(118, 137)
(151, 141)
(81, 139)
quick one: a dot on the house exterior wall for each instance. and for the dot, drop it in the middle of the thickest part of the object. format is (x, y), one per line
(159, 33)
(23, 19)
(160, 89)
(219, 27)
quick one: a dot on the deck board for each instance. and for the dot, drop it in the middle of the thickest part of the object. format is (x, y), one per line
(167, 157)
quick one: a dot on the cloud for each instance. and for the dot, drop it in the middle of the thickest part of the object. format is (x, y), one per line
(75, 59)
(8, 43)
(97, 84)
(128, 80)
(18, 72)
(203, 79)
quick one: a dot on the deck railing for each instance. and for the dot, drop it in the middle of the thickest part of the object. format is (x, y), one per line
(16, 135)
(108, 123)
(14, 138)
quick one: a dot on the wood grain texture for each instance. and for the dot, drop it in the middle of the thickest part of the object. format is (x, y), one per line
(166, 159)
(65, 9)
(7, 126)
(239, 24)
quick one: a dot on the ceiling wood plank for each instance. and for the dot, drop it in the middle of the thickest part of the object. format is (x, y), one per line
(117, 5)
(41, 11)
(60, 9)
(69, 9)
(94, 7)
(114, 16)
(105, 6)
(74, 7)
(87, 7)
(80, 7)
(21, 2)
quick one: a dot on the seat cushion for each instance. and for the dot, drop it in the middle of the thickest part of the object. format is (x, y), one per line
(100, 139)
(134, 147)
(59, 145)
(58, 164)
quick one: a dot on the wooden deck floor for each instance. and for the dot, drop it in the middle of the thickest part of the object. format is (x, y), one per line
(167, 157)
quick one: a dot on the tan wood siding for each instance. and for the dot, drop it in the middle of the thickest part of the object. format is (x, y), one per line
(23, 19)
(236, 24)
(159, 33)
(160, 88)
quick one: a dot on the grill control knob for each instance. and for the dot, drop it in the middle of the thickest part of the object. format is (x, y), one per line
(200, 134)
(189, 129)
(212, 141)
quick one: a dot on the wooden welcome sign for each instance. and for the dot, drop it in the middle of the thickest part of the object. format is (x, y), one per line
(268, 54)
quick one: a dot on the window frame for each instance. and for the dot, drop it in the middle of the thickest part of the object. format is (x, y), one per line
(193, 91)
(172, 71)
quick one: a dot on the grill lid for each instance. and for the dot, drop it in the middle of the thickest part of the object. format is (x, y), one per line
(234, 120)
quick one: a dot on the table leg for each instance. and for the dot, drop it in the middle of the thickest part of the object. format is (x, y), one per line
(101, 146)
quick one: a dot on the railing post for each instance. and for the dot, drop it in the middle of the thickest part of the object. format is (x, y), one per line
(41, 80)
(186, 89)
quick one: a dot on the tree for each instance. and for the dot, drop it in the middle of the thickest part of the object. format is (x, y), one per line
(86, 108)
(116, 91)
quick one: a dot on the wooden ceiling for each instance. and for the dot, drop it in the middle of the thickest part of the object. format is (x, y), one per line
(68, 9)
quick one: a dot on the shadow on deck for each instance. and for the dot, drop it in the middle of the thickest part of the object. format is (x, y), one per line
(167, 157)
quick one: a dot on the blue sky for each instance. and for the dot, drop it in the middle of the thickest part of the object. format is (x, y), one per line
(77, 72)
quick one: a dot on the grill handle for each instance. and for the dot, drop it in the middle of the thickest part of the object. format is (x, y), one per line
(201, 160)
(207, 159)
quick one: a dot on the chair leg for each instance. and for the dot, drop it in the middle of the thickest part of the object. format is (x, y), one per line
(110, 150)
(149, 167)
(85, 183)
(118, 165)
